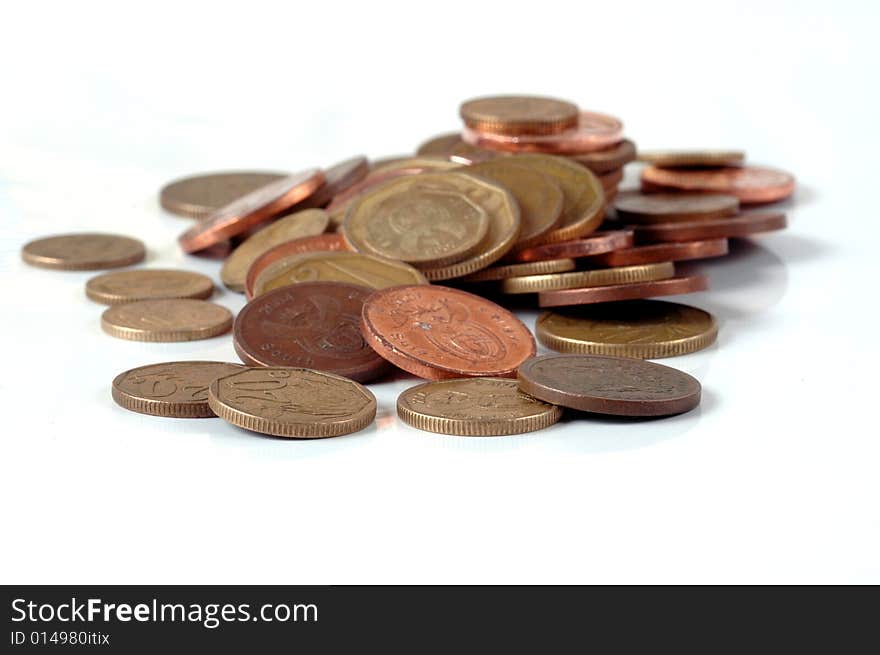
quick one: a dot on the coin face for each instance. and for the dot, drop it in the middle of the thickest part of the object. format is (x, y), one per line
(350, 267)
(692, 158)
(306, 223)
(515, 270)
(600, 242)
(166, 320)
(474, 407)
(751, 184)
(667, 207)
(197, 196)
(174, 389)
(292, 402)
(660, 252)
(83, 252)
(645, 329)
(616, 292)
(147, 284)
(593, 132)
(595, 278)
(609, 385)
(313, 325)
(607, 159)
(328, 242)
(717, 228)
(519, 114)
(438, 333)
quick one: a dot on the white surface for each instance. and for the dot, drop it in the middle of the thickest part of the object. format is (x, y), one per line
(773, 479)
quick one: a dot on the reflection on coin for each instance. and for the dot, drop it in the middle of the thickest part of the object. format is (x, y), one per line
(645, 329)
(608, 159)
(197, 196)
(514, 270)
(88, 251)
(594, 278)
(292, 402)
(692, 158)
(166, 320)
(306, 223)
(350, 267)
(751, 184)
(609, 385)
(519, 114)
(615, 292)
(328, 242)
(474, 407)
(174, 389)
(147, 284)
(668, 207)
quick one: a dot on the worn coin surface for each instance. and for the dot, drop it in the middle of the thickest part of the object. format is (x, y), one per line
(608, 159)
(173, 389)
(147, 284)
(337, 179)
(632, 291)
(660, 252)
(646, 329)
(692, 158)
(88, 251)
(593, 132)
(751, 184)
(514, 270)
(668, 207)
(312, 324)
(328, 242)
(609, 385)
(305, 223)
(350, 267)
(593, 278)
(519, 114)
(292, 402)
(474, 407)
(742, 225)
(439, 333)
(197, 196)
(166, 320)
(598, 243)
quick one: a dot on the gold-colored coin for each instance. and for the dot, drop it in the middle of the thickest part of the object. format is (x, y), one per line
(599, 277)
(147, 284)
(584, 199)
(519, 270)
(198, 196)
(647, 329)
(292, 402)
(166, 320)
(83, 252)
(174, 389)
(351, 267)
(428, 220)
(687, 158)
(474, 407)
(519, 114)
(424, 164)
(306, 223)
(451, 146)
(540, 199)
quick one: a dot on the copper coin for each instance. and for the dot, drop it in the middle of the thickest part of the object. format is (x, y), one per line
(668, 207)
(519, 114)
(593, 132)
(329, 242)
(423, 164)
(439, 333)
(607, 159)
(692, 158)
(718, 228)
(313, 325)
(147, 284)
(166, 320)
(88, 251)
(337, 179)
(633, 291)
(453, 147)
(609, 385)
(660, 252)
(595, 244)
(611, 179)
(252, 209)
(751, 184)
(199, 195)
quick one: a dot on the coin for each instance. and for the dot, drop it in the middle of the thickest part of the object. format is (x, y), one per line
(660, 252)
(692, 158)
(611, 179)
(312, 324)
(292, 402)
(88, 251)
(645, 329)
(597, 243)
(474, 407)
(329, 242)
(717, 228)
(519, 114)
(147, 284)
(452, 147)
(607, 159)
(528, 268)
(337, 179)
(438, 333)
(173, 389)
(251, 209)
(351, 267)
(751, 184)
(166, 320)
(669, 207)
(583, 197)
(424, 164)
(305, 223)
(197, 196)
(594, 278)
(593, 132)
(609, 385)
(539, 198)
(671, 287)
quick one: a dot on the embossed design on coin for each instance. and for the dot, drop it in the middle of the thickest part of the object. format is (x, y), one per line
(147, 284)
(197, 196)
(88, 251)
(328, 242)
(166, 320)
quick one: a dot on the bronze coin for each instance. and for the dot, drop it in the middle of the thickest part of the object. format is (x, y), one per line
(199, 195)
(717, 228)
(453, 147)
(597, 243)
(313, 325)
(147, 284)
(751, 184)
(608, 159)
(337, 179)
(633, 291)
(692, 158)
(330, 242)
(519, 114)
(609, 385)
(88, 251)
(592, 132)
(611, 179)
(659, 252)
(166, 320)
(596, 277)
(669, 207)
(494, 273)
(439, 333)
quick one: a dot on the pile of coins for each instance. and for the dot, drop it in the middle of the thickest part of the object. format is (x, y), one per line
(353, 271)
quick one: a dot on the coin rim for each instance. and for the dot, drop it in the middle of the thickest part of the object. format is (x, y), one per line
(540, 267)
(58, 264)
(193, 210)
(166, 336)
(109, 298)
(596, 277)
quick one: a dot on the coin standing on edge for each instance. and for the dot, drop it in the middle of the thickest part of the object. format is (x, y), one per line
(166, 320)
(87, 251)
(633, 291)
(196, 196)
(148, 284)
(474, 407)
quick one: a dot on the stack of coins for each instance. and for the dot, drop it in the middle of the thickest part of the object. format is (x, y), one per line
(406, 262)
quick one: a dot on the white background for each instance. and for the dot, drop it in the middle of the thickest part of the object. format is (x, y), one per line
(773, 479)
